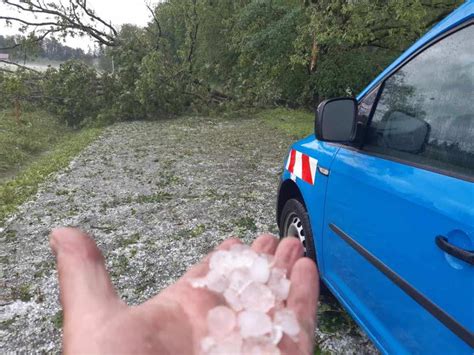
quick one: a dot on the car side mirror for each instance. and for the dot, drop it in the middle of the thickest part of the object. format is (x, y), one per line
(405, 133)
(336, 120)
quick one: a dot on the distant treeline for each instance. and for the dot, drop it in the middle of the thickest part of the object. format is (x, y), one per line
(20, 47)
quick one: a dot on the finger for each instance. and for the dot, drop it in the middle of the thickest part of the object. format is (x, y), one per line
(265, 244)
(202, 268)
(288, 251)
(290, 346)
(84, 284)
(304, 294)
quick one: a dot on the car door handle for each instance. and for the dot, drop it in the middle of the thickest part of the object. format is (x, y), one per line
(465, 255)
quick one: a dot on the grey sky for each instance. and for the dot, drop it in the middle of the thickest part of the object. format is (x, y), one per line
(116, 11)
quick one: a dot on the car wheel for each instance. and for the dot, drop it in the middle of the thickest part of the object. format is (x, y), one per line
(294, 222)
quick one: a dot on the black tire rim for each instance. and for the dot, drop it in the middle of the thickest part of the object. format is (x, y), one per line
(294, 228)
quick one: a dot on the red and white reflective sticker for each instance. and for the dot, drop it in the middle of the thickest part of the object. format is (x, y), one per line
(302, 166)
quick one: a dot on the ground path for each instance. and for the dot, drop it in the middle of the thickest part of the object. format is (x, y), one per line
(157, 196)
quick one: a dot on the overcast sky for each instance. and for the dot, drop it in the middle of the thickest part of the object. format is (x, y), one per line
(117, 11)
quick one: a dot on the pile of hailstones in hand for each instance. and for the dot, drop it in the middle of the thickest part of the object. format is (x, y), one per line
(255, 317)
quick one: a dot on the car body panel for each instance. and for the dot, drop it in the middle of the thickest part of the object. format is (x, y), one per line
(400, 211)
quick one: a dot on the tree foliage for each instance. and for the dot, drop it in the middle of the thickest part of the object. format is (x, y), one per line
(201, 54)
(72, 92)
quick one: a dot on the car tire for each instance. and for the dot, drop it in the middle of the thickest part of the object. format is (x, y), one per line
(294, 222)
(294, 214)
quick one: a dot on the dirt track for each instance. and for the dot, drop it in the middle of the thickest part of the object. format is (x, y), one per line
(157, 197)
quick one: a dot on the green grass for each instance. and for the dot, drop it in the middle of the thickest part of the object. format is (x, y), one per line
(21, 142)
(58, 319)
(22, 292)
(18, 189)
(4, 325)
(295, 123)
(129, 240)
(333, 318)
(245, 224)
(197, 231)
(318, 351)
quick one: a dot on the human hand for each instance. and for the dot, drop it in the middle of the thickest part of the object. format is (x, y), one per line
(96, 320)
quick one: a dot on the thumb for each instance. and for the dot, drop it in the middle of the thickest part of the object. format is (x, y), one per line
(85, 288)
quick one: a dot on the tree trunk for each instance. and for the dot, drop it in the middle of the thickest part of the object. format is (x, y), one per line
(314, 55)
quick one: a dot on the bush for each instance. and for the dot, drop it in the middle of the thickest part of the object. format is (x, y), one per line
(156, 89)
(19, 90)
(72, 93)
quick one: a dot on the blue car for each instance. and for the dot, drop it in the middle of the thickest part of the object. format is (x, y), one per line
(382, 196)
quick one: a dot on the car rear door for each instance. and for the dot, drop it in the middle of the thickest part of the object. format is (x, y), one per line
(398, 208)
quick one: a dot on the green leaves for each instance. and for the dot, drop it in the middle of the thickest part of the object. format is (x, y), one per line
(273, 52)
(72, 92)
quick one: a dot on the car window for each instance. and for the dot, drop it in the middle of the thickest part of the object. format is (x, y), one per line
(425, 113)
(364, 109)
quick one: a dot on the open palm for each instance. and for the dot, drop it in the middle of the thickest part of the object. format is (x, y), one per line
(96, 320)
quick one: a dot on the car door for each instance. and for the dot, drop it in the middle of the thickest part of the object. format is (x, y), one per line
(396, 206)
